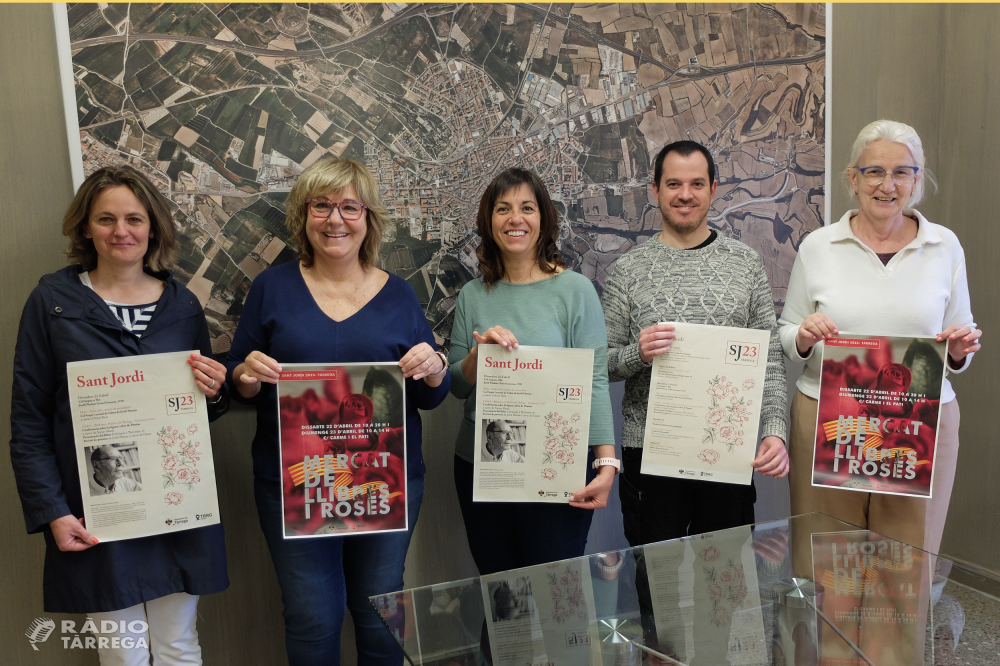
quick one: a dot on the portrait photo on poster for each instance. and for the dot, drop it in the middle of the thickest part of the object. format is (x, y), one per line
(113, 468)
(503, 440)
(511, 599)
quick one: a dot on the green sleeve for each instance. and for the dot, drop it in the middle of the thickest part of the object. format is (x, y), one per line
(590, 332)
(461, 345)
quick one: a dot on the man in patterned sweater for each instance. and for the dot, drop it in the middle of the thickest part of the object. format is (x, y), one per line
(686, 273)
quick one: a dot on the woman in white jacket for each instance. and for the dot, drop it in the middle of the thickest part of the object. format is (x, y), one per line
(882, 269)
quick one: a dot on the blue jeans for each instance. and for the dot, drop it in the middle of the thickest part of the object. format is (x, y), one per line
(511, 535)
(320, 578)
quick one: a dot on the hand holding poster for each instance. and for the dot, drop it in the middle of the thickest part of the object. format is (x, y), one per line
(533, 406)
(143, 447)
(876, 423)
(704, 405)
(343, 449)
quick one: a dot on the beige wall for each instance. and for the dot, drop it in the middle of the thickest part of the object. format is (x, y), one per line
(937, 68)
(35, 186)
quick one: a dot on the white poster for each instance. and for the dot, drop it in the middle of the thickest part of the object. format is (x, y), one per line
(533, 423)
(543, 615)
(143, 447)
(706, 598)
(704, 404)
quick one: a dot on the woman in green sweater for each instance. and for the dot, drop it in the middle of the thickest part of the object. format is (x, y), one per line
(526, 296)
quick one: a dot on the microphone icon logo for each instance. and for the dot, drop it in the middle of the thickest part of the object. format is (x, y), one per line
(39, 631)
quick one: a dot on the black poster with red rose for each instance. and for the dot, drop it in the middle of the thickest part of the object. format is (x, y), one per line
(343, 449)
(876, 426)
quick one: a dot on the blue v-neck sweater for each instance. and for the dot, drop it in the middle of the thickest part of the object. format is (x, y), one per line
(281, 319)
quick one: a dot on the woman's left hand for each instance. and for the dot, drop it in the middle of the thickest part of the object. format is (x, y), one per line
(595, 495)
(422, 362)
(209, 374)
(962, 340)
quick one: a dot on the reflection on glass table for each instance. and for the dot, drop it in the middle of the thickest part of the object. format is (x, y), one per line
(806, 591)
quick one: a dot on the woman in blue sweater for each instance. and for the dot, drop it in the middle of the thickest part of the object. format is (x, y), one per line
(334, 305)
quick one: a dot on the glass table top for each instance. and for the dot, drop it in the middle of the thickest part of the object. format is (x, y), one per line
(806, 591)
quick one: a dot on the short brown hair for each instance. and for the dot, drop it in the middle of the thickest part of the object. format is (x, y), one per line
(546, 251)
(333, 174)
(160, 249)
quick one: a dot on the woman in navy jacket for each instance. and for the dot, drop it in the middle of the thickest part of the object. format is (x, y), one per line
(119, 300)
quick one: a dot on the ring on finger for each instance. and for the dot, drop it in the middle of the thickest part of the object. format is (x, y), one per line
(212, 385)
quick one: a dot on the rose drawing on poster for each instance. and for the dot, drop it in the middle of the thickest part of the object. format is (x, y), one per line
(567, 595)
(709, 456)
(726, 587)
(709, 553)
(726, 417)
(179, 459)
(560, 439)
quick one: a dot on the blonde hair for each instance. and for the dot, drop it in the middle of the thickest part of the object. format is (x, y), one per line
(160, 248)
(894, 132)
(333, 174)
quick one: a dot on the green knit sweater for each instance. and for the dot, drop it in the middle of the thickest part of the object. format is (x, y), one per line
(560, 311)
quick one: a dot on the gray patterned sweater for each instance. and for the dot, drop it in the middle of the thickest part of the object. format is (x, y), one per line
(722, 284)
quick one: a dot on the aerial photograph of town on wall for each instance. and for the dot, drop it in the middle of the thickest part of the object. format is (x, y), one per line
(223, 105)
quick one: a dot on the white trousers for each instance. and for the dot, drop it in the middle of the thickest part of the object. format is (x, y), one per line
(172, 637)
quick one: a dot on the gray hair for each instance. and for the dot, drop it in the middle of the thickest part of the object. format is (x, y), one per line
(895, 132)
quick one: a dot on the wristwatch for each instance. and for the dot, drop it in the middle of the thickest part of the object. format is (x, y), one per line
(608, 462)
(444, 359)
(613, 568)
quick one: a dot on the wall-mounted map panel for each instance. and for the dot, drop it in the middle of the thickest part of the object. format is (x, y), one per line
(223, 105)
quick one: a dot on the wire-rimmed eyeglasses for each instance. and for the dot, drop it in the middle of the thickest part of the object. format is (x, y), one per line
(901, 175)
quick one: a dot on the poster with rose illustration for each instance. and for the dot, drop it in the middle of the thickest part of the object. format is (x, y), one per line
(343, 449)
(144, 452)
(876, 424)
(706, 599)
(705, 395)
(533, 423)
(543, 615)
